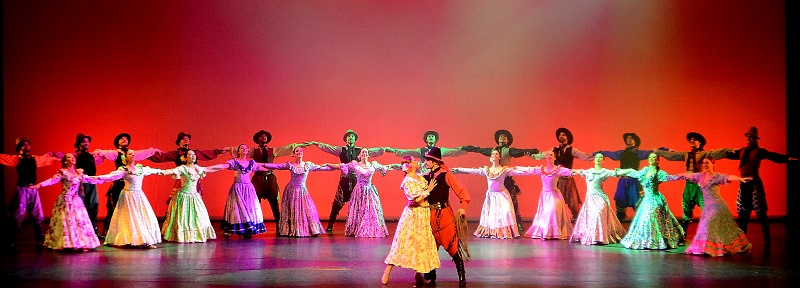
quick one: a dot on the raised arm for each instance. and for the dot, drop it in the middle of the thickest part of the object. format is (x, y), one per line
(288, 149)
(9, 160)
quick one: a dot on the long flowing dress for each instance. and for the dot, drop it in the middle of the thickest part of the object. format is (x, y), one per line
(365, 215)
(133, 222)
(498, 217)
(654, 226)
(243, 214)
(299, 216)
(187, 218)
(413, 245)
(553, 219)
(717, 232)
(597, 223)
(70, 225)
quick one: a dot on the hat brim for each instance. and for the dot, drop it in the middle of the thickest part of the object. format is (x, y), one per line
(504, 132)
(258, 135)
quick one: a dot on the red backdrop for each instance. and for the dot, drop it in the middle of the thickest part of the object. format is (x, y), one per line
(310, 70)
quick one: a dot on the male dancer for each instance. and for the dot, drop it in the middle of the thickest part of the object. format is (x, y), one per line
(88, 162)
(443, 221)
(430, 138)
(692, 193)
(565, 155)
(26, 201)
(346, 154)
(751, 194)
(629, 190)
(183, 140)
(121, 141)
(504, 140)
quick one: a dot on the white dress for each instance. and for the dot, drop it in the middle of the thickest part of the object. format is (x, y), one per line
(133, 222)
(413, 245)
(553, 219)
(498, 218)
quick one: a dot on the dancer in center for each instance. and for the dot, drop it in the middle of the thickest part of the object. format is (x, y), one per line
(553, 219)
(365, 215)
(498, 219)
(243, 216)
(187, 218)
(596, 222)
(299, 216)
(413, 245)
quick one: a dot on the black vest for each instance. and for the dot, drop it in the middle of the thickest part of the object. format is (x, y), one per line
(26, 171)
(564, 159)
(120, 153)
(440, 193)
(691, 161)
(629, 159)
(262, 157)
(85, 161)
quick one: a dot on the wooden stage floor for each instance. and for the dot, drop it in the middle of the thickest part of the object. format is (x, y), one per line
(339, 261)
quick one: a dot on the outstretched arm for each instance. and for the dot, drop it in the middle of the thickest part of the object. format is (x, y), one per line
(218, 167)
(479, 150)
(516, 153)
(326, 148)
(621, 172)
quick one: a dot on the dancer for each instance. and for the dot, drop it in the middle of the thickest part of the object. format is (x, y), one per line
(346, 154)
(299, 214)
(430, 138)
(564, 155)
(365, 214)
(654, 226)
(692, 193)
(497, 215)
(176, 156)
(133, 223)
(187, 217)
(71, 227)
(717, 233)
(629, 190)
(26, 200)
(243, 215)
(88, 161)
(553, 218)
(448, 228)
(751, 193)
(596, 222)
(121, 141)
(413, 245)
(504, 139)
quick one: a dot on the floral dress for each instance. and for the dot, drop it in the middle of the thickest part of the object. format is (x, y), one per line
(597, 223)
(365, 214)
(299, 217)
(654, 226)
(717, 232)
(70, 226)
(413, 245)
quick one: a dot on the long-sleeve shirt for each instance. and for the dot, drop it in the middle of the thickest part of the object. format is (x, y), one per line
(750, 159)
(420, 152)
(26, 166)
(693, 159)
(574, 152)
(175, 155)
(506, 153)
(139, 155)
(629, 158)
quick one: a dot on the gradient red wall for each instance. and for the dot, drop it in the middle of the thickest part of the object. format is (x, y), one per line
(390, 70)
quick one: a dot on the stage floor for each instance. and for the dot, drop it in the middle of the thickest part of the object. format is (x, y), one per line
(339, 261)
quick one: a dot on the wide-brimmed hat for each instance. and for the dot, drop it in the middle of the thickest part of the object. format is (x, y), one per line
(635, 138)
(119, 136)
(180, 137)
(344, 138)
(434, 154)
(21, 141)
(752, 131)
(431, 132)
(258, 135)
(566, 131)
(697, 136)
(79, 139)
(504, 132)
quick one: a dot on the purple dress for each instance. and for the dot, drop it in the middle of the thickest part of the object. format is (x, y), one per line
(597, 223)
(243, 214)
(70, 226)
(365, 214)
(553, 219)
(299, 217)
(717, 232)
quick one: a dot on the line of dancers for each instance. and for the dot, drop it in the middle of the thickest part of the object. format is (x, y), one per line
(561, 214)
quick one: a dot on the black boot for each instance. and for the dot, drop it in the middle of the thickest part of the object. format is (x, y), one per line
(685, 225)
(37, 229)
(462, 280)
(334, 212)
(431, 277)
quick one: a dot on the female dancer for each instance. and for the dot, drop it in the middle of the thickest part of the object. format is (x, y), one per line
(717, 232)
(70, 226)
(654, 226)
(299, 217)
(365, 215)
(553, 219)
(413, 245)
(187, 218)
(243, 216)
(596, 222)
(133, 222)
(498, 220)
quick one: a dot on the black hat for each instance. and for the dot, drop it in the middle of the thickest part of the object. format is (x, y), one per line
(566, 131)
(696, 136)
(21, 141)
(434, 154)
(79, 139)
(258, 135)
(119, 136)
(752, 131)
(504, 132)
(431, 132)
(635, 138)
(180, 137)
(344, 138)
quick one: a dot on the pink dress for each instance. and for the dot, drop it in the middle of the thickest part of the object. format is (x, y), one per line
(597, 223)
(365, 214)
(498, 220)
(70, 226)
(553, 219)
(717, 232)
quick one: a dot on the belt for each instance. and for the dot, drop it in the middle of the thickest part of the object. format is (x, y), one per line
(268, 172)
(440, 205)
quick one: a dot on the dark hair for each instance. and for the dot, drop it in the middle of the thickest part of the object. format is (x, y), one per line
(185, 154)
(406, 160)
(64, 161)
(710, 158)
